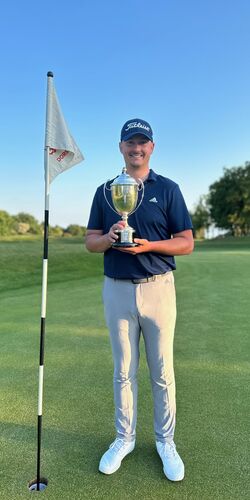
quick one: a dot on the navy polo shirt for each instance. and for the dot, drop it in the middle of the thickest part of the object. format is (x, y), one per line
(163, 212)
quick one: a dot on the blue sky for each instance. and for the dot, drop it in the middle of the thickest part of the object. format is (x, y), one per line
(182, 65)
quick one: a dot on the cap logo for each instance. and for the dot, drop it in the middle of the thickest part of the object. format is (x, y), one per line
(137, 125)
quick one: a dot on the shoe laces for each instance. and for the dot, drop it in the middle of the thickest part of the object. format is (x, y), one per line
(118, 445)
(170, 449)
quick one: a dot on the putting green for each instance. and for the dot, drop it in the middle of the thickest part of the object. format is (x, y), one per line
(211, 364)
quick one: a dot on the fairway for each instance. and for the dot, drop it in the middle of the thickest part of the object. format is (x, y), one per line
(211, 366)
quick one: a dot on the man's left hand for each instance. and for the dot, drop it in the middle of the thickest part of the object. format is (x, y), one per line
(143, 246)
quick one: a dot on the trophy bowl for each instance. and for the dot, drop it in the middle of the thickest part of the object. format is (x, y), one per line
(124, 194)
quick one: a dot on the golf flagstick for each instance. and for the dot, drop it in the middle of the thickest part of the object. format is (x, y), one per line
(61, 153)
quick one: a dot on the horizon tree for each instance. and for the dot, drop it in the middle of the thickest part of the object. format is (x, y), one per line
(201, 217)
(229, 200)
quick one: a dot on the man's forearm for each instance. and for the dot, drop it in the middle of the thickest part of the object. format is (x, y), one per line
(97, 242)
(181, 244)
(174, 246)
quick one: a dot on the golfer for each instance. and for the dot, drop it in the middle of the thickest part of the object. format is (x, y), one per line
(139, 297)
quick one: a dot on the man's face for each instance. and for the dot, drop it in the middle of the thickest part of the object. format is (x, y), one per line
(137, 151)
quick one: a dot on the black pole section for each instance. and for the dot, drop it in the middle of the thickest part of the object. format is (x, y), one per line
(46, 234)
(41, 354)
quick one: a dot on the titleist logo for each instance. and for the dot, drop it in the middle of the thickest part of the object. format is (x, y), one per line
(137, 125)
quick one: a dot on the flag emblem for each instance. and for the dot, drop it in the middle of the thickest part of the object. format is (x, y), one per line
(63, 151)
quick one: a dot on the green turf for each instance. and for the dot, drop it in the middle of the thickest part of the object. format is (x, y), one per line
(212, 373)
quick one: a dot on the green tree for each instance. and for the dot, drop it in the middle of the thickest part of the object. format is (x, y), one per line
(24, 218)
(75, 230)
(229, 200)
(201, 217)
(55, 231)
(7, 224)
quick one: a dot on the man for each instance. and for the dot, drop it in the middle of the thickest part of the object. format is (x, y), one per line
(139, 297)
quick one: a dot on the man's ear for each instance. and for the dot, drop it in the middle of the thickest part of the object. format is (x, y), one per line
(120, 147)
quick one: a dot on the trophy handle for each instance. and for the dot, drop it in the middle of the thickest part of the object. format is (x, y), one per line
(141, 188)
(104, 193)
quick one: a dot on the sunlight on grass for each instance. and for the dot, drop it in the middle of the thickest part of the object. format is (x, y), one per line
(211, 365)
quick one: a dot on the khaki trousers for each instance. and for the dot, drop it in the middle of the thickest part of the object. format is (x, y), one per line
(147, 308)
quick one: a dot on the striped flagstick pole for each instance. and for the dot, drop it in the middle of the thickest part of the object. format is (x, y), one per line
(44, 294)
(39, 483)
(57, 139)
(43, 319)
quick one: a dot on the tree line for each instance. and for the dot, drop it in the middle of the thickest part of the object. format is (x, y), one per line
(24, 223)
(227, 204)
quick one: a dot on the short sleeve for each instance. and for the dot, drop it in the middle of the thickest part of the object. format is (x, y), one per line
(96, 212)
(178, 215)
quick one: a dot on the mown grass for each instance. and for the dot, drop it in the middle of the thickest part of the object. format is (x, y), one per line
(211, 364)
(21, 262)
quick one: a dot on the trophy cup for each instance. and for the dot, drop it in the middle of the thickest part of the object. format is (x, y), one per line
(124, 193)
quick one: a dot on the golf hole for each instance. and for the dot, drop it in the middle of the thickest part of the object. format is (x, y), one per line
(43, 483)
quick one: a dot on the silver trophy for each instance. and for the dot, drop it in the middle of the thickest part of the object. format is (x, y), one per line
(124, 193)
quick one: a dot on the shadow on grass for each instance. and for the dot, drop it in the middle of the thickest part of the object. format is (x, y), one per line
(81, 449)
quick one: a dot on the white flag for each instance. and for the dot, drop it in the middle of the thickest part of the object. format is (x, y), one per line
(63, 151)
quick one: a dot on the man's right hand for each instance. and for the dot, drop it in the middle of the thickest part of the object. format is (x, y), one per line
(96, 241)
(112, 236)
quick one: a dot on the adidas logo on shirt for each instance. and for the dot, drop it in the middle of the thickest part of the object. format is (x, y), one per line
(154, 200)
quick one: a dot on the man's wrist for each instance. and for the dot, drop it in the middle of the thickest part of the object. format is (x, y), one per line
(150, 246)
(109, 244)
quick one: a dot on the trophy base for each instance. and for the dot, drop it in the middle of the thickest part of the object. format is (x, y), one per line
(125, 238)
(125, 245)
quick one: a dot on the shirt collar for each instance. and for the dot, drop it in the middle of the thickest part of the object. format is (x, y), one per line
(152, 176)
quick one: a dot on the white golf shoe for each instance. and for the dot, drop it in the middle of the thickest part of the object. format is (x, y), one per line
(173, 465)
(112, 458)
